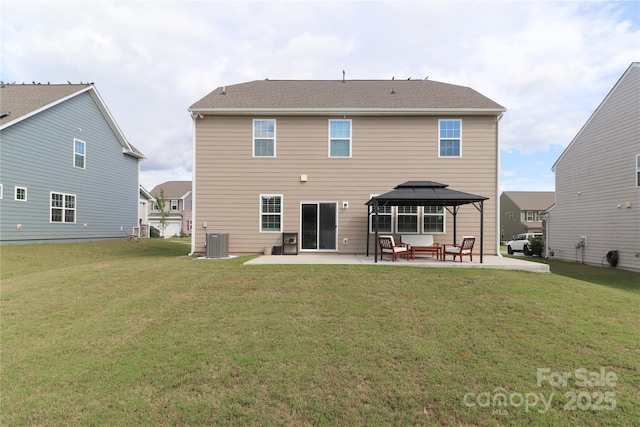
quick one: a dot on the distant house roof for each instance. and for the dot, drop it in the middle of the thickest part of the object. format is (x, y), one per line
(21, 101)
(353, 96)
(172, 189)
(532, 200)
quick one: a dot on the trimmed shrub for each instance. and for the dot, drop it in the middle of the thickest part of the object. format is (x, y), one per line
(536, 245)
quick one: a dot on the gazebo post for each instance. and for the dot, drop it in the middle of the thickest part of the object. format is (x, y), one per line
(375, 245)
(455, 224)
(368, 228)
(481, 229)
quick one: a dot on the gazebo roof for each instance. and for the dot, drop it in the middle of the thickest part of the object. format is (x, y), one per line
(425, 193)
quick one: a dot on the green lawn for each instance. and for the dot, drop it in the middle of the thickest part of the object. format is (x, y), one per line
(121, 333)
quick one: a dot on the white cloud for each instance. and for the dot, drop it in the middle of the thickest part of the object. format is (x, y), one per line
(549, 63)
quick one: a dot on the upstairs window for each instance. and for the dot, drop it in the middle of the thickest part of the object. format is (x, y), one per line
(264, 138)
(79, 154)
(21, 194)
(271, 213)
(450, 138)
(63, 208)
(174, 205)
(339, 138)
(533, 216)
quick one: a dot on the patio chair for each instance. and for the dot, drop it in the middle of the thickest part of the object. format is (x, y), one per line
(389, 247)
(464, 248)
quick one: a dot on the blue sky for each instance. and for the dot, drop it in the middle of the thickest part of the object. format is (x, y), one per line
(549, 63)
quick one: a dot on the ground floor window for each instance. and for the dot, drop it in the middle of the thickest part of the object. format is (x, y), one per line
(271, 212)
(385, 219)
(433, 219)
(21, 194)
(407, 219)
(63, 208)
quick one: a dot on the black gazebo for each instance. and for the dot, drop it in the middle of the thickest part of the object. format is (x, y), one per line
(425, 193)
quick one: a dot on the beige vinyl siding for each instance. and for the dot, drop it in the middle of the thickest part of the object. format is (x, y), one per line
(386, 151)
(594, 176)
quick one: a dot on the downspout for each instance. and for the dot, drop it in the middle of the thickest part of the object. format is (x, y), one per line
(193, 189)
(498, 207)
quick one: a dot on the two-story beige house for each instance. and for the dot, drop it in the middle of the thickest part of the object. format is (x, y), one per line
(304, 157)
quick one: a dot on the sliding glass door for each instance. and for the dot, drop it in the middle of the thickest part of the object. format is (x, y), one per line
(319, 226)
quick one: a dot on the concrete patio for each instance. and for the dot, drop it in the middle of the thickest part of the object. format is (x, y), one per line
(490, 262)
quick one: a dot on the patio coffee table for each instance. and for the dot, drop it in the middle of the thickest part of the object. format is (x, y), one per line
(433, 250)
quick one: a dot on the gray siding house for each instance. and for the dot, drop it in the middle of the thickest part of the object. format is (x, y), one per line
(66, 170)
(597, 207)
(523, 211)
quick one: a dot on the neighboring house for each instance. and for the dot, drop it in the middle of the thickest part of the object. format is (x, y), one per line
(597, 207)
(66, 170)
(146, 201)
(523, 211)
(274, 157)
(178, 197)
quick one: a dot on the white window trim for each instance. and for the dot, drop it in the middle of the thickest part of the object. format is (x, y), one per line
(64, 208)
(372, 229)
(444, 221)
(439, 139)
(84, 156)
(172, 204)
(420, 214)
(253, 138)
(342, 139)
(270, 213)
(416, 214)
(1, 191)
(15, 193)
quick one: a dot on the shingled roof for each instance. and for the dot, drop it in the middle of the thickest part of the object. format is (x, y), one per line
(172, 189)
(382, 96)
(532, 200)
(18, 100)
(21, 101)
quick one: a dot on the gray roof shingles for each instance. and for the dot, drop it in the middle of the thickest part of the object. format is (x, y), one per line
(20, 99)
(348, 94)
(532, 200)
(172, 189)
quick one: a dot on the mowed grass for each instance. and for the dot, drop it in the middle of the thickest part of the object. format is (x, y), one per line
(121, 333)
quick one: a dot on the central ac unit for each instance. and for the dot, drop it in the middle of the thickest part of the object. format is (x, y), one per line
(217, 245)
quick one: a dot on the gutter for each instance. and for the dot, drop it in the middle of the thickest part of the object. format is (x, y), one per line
(349, 111)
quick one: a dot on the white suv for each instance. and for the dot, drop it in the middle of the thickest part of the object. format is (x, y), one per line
(521, 243)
